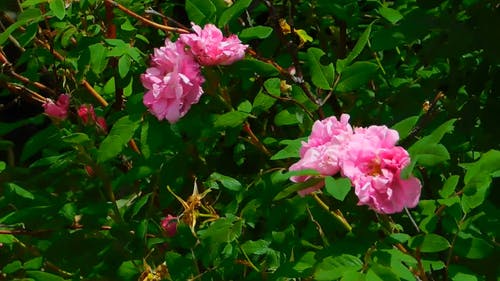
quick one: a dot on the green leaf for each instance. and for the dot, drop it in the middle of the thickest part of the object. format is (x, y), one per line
(429, 243)
(223, 230)
(200, 11)
(98, 58)
(233, 12)
(356, 51)
(273, 86)
(31, 3)
(231, 119)
(258, 247)
(352, 275)
(356, 75)
(7, 239)
(253, 66)
(291, 149)
(41, 275)
(19, 191)
(298, 186)
(39, 141)
(12, 267)
(322, 76)
(33, 264)
(129, 270)
(449, 186)
(333, 267)
(124, 65)
(289, 116)
(379, 272)
(76, 138)
(259, 31)
(392, 15)
(29, 15)
(58, 8)
(121, 132)
(228, 182)
(472, 248)
(405, 126)
(262, 102)
(338, 188)
(2, 166)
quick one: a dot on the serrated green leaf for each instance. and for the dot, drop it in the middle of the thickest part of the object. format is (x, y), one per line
(12, 267)
(273, 86)
(121, 132)
(3, 165)
(33, 264)
(338, 188)
(76, 138)
(322, 76)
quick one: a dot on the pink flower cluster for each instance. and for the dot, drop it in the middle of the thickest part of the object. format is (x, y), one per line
(369, 157)
(173, 81)
(59, 109)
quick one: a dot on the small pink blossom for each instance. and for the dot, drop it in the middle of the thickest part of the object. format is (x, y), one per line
(210, 47)
(173, 82)
(169, 224)
(59, 109)
(87, 114)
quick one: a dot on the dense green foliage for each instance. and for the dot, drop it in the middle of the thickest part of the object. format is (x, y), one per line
(77, 202)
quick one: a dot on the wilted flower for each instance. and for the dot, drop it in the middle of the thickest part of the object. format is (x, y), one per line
(59, 109)
(169, 224)
(173, 82)
(210, 47)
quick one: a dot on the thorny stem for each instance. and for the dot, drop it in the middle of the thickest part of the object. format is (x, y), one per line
(147, 21)
(336, 214)
(254, 140)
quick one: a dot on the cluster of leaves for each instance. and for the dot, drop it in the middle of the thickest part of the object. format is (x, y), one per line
(78, 203)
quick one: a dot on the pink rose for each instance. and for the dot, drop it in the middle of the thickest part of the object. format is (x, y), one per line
(59, 109)
(328, 131)
(169, 224)
(173, 82)
(373, 164)
(210, 47)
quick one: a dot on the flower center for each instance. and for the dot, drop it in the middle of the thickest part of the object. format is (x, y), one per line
(374, 167)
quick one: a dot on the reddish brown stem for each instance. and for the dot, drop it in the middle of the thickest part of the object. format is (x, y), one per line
(147, 21)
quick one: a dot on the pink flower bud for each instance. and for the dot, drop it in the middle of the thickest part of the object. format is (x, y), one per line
(169, 224)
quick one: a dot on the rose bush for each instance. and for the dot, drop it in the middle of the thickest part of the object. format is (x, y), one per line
(248, 140)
